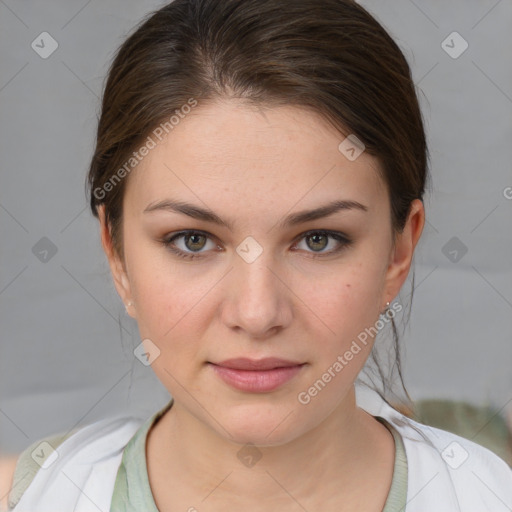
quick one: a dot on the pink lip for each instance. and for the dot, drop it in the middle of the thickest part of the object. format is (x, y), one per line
(256, 375)
(267, 363)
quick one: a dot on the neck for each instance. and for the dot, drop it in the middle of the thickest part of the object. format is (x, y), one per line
(349, 447)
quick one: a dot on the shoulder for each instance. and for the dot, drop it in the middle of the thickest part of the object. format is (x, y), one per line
(90, 444)
(445, 471)
(454, 449)
(30, 461)
(446, 466)
(7, 466)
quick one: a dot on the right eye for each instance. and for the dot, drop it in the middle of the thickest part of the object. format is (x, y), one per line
(191, 240)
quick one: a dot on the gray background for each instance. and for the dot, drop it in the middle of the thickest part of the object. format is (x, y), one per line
(66, 343)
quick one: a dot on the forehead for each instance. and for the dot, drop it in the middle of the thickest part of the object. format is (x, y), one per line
(271, 157)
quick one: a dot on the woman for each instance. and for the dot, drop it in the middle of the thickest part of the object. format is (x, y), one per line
(258, 177)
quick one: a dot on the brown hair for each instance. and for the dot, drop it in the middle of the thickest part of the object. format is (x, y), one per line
(330, 56)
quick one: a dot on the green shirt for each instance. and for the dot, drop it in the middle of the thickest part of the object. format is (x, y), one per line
(132, 492)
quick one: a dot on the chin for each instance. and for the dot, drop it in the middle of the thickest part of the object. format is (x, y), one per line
(262, 425)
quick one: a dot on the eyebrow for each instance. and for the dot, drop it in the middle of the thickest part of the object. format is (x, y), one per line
(293, 219)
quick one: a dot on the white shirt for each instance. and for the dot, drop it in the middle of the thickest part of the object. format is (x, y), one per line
(446, 473)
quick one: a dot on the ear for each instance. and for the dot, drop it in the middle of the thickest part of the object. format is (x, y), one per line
(117, 267)
(403, 251)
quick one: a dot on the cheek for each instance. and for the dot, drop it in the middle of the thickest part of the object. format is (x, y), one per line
(350, 307)
(169, 308)
(171, 312)
(348, 304)
(161, 291)
(168, 316)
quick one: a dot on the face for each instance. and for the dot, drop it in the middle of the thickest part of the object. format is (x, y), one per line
(262, 282)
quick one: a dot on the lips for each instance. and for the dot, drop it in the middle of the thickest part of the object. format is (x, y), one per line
(256, 375)
(267, 363)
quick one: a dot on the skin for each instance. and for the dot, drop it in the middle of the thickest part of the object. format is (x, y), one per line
(253, 167)
(7, 467)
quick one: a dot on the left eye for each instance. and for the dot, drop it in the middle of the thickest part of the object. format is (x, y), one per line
(195, 241)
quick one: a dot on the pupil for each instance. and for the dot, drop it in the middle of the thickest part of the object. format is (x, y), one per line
(194, 237)
(313, 237)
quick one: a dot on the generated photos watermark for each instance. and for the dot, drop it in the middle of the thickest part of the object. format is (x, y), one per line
(157, 135)
(304, 397)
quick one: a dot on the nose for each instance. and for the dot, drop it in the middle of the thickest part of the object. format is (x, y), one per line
(258, 301)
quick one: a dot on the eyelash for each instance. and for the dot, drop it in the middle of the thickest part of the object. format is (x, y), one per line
(344, 241)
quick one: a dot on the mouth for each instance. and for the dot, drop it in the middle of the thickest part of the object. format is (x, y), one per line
(267, 363)
(256, 376)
